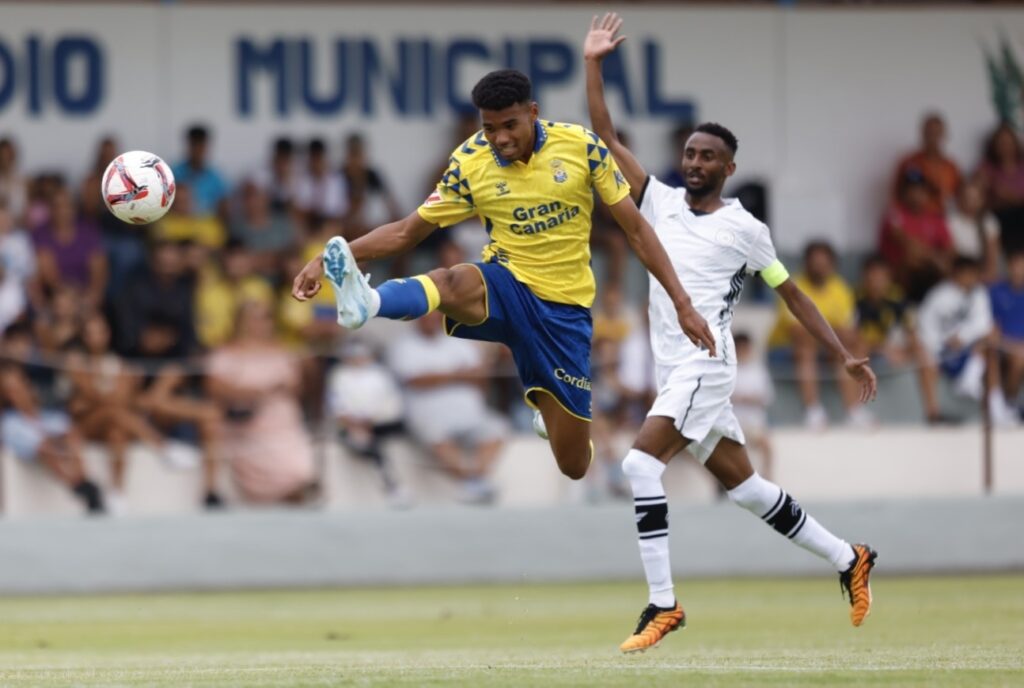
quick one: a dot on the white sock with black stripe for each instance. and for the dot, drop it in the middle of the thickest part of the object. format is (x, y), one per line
(770, 503)
(644, 474)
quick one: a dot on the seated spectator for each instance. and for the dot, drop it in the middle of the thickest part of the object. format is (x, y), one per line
(1008, 310)
(320, 192)
(366, 405)
(445, 404)
(104, 390)
(183, 224)
(220, 291)
(13, 187)
(209, 190)
(59, 323)
(265, 233)
(17, 268)
(834, 298)
(370, 200)
(306, 325)
(957, 331)
(914, 240)
(930, 162)
(36, 434)
(70, 253)
(886, 328)
(1002, 174)
(753, 394)
(256, 383)
(154, 322)
(41, 191)
(279, 180)
(975, 229)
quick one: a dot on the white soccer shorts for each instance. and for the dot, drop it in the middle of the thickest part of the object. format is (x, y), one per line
(696, 396)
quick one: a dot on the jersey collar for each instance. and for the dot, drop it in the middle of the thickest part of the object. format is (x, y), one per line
(540, 137)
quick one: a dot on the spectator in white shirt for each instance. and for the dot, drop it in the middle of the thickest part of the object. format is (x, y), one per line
(321, 192)
(975, 229)
(446, 410)
(366, 404)
(957, 330)
(753, 394)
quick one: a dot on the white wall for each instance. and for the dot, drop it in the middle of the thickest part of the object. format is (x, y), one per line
(823, 100)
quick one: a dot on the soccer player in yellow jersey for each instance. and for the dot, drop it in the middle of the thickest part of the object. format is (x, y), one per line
(529, 181)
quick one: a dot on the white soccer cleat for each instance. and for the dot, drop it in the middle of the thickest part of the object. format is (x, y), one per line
(538, 425)
(352, 291)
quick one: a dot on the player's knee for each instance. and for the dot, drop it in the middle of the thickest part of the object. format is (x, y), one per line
(444, 279)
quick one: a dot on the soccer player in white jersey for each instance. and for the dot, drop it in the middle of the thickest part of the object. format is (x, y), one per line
(712, 243)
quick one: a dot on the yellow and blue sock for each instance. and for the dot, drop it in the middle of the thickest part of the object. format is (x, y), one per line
(407, 299)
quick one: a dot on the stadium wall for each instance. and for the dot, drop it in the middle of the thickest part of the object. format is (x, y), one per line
(823, 100)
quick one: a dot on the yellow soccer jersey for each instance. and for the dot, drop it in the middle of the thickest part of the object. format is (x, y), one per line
(536, 214)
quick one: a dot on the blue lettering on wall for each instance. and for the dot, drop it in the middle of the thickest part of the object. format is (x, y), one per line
(87, 96)
(416, 76)
(7, 79)
(66, 75)
(456, 96)
(657, 106)
(249, 59)
(551, 64)
(334, 101)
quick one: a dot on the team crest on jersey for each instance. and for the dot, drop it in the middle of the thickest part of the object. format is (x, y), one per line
(558, 171)
(502, 188)
(724, 237)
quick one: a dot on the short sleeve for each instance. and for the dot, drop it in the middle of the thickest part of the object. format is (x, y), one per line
(652, 196)
(452, 200)
(605, 176)
(763, 259)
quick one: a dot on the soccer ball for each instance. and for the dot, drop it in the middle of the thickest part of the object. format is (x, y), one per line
(138, 187)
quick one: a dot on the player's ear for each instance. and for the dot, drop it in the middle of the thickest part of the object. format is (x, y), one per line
(534, 111)
(730, 168)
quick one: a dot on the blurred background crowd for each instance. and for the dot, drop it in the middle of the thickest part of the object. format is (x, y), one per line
(182, 336)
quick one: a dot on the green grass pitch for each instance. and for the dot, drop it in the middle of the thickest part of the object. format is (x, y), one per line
(942, 631)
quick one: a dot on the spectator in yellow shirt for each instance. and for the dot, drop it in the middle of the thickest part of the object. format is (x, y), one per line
(835, 299)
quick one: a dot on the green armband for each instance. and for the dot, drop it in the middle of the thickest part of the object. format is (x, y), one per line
(775, 274)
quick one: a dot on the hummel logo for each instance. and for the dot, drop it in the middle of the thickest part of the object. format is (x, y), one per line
(640, 517)
(503, 189)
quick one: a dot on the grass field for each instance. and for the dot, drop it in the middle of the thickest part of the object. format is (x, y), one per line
(923, 632)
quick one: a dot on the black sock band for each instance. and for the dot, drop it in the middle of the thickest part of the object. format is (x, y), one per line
(651, 517)
(787, 516)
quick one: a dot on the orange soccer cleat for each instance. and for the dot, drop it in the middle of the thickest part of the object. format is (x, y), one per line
(856, 584)
(655, 623)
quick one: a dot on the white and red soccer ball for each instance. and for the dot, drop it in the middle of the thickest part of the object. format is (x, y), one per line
(138, 187)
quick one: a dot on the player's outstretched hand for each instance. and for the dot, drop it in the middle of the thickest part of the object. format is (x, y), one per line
(307, 283)
(601, 40)
(695, 327)
(860, 370)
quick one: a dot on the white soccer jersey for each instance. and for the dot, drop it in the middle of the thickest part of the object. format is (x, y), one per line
(712, 254)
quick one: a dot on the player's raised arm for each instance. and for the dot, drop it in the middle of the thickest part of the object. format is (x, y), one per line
(383, 242)
(601, 41)
(652, 254)
(811, 318)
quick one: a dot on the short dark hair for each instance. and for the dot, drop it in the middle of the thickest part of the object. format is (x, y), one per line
(874, 260)
(317, 146)
(283, 146)
(502, 89)
(961, 263)
(716, 129)
(820, 245)
(197, 133)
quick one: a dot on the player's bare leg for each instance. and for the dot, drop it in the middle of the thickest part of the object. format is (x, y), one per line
(463, 296)
(730, 465)
(569, 436)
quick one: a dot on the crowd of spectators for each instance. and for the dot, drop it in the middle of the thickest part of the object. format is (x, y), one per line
(183, 337)
(943, 295)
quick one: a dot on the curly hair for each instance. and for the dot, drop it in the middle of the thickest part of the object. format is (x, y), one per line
(716, 129)
(501, 89)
